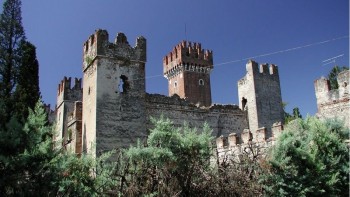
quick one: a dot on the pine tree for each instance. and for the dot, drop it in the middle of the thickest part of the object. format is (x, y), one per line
(31, 166)
(11, 34)
(310, 158)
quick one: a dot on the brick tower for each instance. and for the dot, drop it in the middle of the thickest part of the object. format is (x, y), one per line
(187, 68)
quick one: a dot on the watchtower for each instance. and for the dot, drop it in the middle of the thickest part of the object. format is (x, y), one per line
(187, 68)
(114, 91)
(67, 95)
(260, 96)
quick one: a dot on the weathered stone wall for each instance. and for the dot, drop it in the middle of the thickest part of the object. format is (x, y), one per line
(223, 119)
(114, 91)
(66, 96)
(234, 145)
(261, 87)
(333, 103)
(74, 127)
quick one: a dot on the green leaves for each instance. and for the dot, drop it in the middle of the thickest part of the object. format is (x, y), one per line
(309, 159)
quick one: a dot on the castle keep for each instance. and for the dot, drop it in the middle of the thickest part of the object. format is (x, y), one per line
(112, 109)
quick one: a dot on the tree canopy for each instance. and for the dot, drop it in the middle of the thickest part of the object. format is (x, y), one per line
(310, 158)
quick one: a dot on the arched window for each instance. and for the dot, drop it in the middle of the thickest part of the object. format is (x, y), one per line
(201, 82)
(175, 84)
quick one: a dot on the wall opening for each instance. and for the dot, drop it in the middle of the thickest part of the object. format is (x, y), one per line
(124, 84)
(201, 82)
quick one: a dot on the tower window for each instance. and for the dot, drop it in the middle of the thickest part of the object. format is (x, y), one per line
(175, 84)
(124, 85)
(201, 82)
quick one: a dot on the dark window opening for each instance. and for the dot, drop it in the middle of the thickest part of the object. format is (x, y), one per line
(244, 103)
(201, 82)
(124, 85)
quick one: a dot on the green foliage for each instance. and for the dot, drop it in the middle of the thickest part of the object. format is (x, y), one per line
(310, 158)
(171, 162)
(11, 34)
(30, 166)
(333, 74)
(85, 176)
(289, 117)
(27, 90)
(25, 152)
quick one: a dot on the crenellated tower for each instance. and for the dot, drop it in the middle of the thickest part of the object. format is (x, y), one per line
(333, 103)
(187, 68)
(260, 96)
(67, 95)
(114, 91)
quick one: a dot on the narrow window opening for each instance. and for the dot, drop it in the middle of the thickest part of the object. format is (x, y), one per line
(244, 103)
(201, 82)
(124, 85)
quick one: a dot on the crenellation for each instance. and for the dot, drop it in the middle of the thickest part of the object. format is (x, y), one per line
(273, 69)
(264, 68)
(119, 50)
(333, 103)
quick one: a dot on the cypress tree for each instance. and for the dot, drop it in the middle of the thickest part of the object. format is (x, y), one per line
(27, 90)
(11, 35)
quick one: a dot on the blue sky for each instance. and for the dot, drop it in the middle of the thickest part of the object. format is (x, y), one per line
(233, 29)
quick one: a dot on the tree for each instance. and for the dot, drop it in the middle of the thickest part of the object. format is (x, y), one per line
(288, 117)
(31, 166)
(333, 74)
(11, 34)
(310, 158)
(27, 91)
(173, 161)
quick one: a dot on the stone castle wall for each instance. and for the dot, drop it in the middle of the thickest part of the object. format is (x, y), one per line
(222, 119)
(334, 103)
(261, 89)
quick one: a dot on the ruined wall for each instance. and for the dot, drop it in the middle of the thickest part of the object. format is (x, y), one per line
(234, 145)
(333, 103)
(223, 119)
(114, 90)
(66, 96)
(261, 89)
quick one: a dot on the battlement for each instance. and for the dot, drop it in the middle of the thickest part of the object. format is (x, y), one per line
(247, 137)
(98, 45)
(66, 91)
(66, 84)
(254, 68)
(177, 103)
(189, 57)
(325, 94)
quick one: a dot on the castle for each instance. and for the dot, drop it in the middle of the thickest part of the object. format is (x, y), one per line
(111, 108)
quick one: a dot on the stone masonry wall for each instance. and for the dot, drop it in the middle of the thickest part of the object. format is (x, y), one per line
(334, 103)
(223, 119)
(114, 91)
(261, 89)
